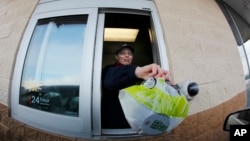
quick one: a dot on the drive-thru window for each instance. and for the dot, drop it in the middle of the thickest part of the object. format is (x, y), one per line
(57, 77)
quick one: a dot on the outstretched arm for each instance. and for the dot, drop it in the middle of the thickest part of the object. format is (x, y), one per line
(116, 78)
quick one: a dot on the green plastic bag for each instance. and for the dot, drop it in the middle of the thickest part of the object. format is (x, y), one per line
(153, 108)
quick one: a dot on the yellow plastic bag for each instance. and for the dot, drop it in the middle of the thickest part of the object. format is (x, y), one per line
(153, 108)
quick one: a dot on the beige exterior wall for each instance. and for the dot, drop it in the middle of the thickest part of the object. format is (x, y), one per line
(201, 47)
(14, 16)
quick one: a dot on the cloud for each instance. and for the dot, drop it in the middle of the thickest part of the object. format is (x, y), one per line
(34, 85)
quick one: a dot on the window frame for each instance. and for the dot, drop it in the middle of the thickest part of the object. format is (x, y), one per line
(88, 124)
(71, 126)
(159, 52)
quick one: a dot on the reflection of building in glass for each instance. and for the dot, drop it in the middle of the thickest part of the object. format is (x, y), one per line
(55, 99)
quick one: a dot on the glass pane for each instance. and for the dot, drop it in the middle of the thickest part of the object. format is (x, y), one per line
(51, 73)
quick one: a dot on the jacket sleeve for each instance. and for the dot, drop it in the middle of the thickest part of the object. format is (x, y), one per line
(118, 77)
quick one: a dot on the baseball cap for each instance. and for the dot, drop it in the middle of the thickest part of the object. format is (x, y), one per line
(119, 48)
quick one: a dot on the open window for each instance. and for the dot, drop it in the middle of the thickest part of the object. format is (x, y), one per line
(138, 29)
(118, 29)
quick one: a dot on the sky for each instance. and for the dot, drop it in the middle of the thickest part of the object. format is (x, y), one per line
(54, 55)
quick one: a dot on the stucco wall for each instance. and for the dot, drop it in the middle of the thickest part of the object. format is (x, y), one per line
(202, 48)
(14, 15)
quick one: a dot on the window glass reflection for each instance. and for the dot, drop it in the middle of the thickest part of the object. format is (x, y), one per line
(51, 73)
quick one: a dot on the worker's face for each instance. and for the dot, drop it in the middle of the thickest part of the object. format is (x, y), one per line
(124, 57)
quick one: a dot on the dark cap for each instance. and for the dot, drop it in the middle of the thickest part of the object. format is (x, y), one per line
(119, 48)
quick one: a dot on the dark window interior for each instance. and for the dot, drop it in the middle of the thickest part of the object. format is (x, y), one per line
(142, 44)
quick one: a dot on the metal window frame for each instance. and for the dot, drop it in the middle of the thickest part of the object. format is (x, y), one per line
(159, 52)
(88, 125)
(61, 124)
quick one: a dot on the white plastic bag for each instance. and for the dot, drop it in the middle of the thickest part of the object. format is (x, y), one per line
(154, 107)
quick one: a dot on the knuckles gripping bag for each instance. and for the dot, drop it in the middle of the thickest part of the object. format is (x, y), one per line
(153, 107)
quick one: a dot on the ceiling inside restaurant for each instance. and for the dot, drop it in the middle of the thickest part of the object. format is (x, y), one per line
(242, 7)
